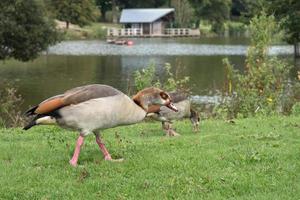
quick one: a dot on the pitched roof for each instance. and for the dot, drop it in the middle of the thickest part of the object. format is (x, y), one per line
(146, 15)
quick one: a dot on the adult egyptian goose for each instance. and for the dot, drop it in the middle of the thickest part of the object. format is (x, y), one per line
(183, 104)
(92, 108)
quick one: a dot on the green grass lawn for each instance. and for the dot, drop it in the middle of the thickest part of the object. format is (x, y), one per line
(257, 158)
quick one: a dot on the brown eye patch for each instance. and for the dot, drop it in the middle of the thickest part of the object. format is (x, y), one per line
(164, 95)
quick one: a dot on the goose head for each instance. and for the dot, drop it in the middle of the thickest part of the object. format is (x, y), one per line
(151, 99)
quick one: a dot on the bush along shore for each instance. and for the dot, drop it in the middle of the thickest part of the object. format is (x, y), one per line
(88, 32)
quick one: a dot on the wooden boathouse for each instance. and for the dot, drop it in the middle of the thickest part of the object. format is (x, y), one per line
(154, 22)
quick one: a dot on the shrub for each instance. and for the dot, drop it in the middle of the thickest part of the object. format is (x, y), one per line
(10, 102)
(147, 78)
(205, 28)
(296, 109)
(259, 89)
(235, 28)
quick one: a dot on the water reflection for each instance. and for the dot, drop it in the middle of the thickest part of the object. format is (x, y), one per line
(73, 63)
(155, 47)
(50, 75)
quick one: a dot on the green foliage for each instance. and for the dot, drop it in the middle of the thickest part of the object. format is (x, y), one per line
(205, 28)
(287, 12)
(147, 78)
(216, 11)
(184, 13)
(104, 6)
(25, 29)
(173, 81)
(109, 8)
(255, 158)
(140, 4)
(92, 31)
(262, 84)
(296, 109)
(10, 102)
(235, 28)
(247, 9)
(76, 12)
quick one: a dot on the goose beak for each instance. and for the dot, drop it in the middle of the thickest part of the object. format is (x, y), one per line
(172, 107)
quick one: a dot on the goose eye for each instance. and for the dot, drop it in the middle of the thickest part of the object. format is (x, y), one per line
(164, 95)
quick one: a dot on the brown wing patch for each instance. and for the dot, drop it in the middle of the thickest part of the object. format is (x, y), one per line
(74, 96)
(85, 93)
(49, 106)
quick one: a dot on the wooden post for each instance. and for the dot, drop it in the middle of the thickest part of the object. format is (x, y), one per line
(296, 50)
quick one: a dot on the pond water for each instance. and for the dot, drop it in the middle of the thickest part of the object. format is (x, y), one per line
(163, 46)
(74, 63)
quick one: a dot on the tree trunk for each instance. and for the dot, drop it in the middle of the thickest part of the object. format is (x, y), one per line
(197, 23)
(297, 50)
(67, 24)
(297, 67)
(114, 11)
(103, 18)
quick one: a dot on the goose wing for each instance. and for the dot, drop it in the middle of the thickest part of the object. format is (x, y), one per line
(73, 96)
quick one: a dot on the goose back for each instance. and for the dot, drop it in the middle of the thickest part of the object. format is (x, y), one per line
(73, 96)
(101, 113)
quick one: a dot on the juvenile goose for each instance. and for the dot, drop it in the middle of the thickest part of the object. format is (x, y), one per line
(183, 104)
(92, 108)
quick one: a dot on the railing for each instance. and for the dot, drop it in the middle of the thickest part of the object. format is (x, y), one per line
(182, 32)
(124, 32)
(138, 32)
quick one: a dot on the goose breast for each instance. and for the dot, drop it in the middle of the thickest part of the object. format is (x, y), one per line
(165, 114)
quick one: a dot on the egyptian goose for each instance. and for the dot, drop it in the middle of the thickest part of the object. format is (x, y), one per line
(92, 108)
(183, 104)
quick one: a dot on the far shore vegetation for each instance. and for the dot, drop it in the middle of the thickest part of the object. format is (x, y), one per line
(88, 19)
(94, 30)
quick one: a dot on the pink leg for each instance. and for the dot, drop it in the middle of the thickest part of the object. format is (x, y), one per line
(103, 148)
(74, 159)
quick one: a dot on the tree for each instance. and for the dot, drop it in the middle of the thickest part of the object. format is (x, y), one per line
(115, 5)
(104, 6)
(141, 4)
(77, 12)
(246, 9)
(24, 29)
(262, 87)
(216, 11)
(183, 12)
(288, 12)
